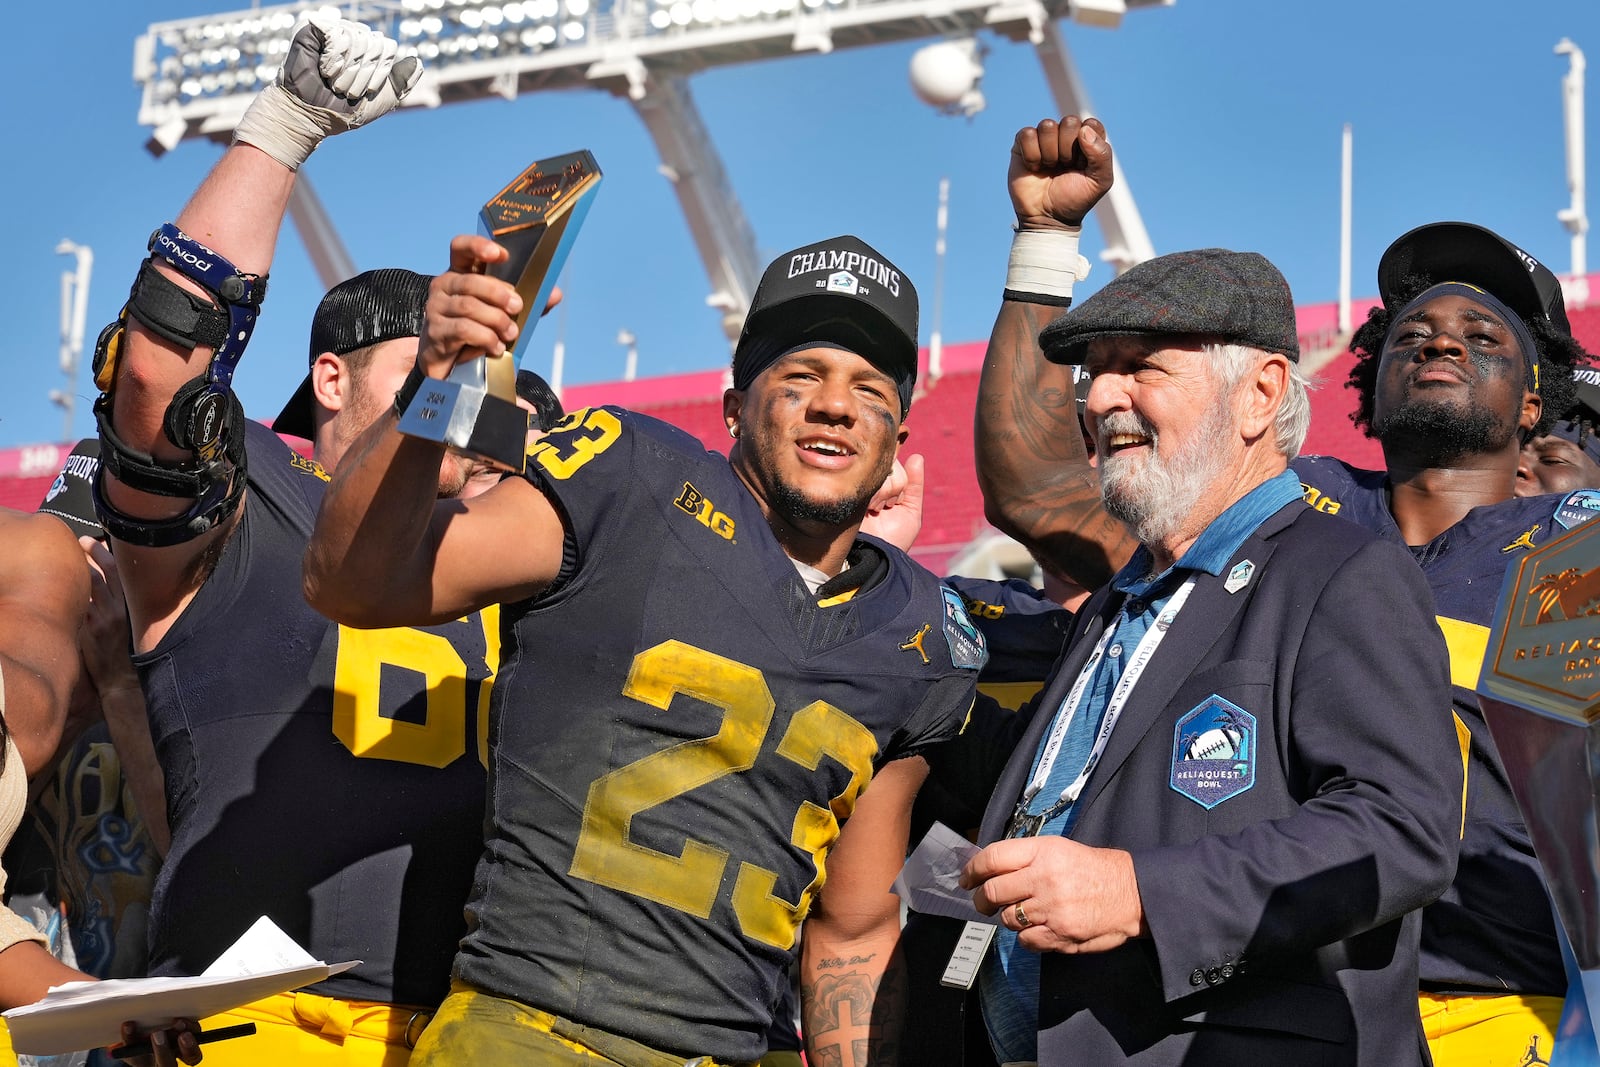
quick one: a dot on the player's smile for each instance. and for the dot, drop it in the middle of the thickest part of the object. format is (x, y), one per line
(817, 434)
(826, 451)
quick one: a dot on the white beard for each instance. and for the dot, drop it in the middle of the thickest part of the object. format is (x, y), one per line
(1155, 495)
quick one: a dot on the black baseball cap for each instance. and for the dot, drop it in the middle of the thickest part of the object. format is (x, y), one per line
(1462, 252)
(372, 307)
(1587, 406)
(1209, 292)
(842, 291)
(70, 497)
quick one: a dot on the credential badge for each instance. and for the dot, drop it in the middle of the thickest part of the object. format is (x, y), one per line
(1214, 752)
(1239, 577)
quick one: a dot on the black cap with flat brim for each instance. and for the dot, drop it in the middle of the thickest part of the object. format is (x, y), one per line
(841, 291)
(1461, 252)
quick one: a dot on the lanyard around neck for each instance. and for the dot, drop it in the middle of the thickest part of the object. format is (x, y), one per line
(1072, 705)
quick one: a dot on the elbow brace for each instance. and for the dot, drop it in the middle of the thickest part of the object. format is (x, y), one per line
(204, 417)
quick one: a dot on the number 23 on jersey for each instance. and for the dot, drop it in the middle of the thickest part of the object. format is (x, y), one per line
(691, 881)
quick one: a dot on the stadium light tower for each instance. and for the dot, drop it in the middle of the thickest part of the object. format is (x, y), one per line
(197, 76)
(74, 307)
(1575, 217)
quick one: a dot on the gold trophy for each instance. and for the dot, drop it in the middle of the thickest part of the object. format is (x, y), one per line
(535, 218)
(1540, 694)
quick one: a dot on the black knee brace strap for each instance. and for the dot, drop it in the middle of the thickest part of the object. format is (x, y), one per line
(167, 309)
(215, 486)
(216, 505)
(204, 417)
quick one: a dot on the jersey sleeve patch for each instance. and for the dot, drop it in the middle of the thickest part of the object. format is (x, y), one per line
(1577, 508)
(967, 648)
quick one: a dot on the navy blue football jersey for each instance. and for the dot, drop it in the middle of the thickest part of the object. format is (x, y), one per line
(679, 728)
(1024, 630)
(1493, 930)
(329, 778)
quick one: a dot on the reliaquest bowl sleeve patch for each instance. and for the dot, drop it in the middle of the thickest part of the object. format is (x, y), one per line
(1577, 508)
(967, 648)
(1214, 752)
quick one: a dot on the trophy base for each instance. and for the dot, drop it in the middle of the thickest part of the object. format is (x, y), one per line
(470, 419)
(1551, 764)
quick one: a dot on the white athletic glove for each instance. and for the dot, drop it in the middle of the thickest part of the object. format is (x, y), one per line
(337, 75)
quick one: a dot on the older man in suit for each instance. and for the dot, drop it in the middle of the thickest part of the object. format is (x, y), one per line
(1243, 778)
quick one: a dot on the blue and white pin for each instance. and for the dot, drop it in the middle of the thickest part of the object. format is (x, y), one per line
(1240, 576)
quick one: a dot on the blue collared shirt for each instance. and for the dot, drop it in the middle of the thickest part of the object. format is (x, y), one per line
(1009, 983)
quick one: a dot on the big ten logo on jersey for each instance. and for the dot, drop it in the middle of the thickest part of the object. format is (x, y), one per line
(417, 695)
(310, 466)
(982, 609)
(692, 878)
(574, 441)
(1316, 499)
(693, 502)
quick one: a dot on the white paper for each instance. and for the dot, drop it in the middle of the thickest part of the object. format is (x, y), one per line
(85, 1015)
(263, 947)
(930, 880)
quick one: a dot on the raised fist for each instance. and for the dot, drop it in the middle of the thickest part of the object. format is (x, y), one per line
(1059, 170)
(337, 75)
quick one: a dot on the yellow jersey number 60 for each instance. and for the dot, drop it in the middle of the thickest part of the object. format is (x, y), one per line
(441, 738)
(690, 882)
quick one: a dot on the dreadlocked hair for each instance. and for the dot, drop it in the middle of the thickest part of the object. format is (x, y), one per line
(1558, 355)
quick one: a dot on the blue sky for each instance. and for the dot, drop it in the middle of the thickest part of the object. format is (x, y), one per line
(1226, 115)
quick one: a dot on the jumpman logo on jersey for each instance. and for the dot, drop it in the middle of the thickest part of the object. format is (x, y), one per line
(915, 644)
(1525, 541)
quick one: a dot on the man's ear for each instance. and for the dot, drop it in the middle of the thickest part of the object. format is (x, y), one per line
(732, 411)
(1264, 392)
(1532, 409)
(331, 381)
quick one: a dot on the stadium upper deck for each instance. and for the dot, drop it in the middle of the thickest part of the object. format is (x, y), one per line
(941, 424)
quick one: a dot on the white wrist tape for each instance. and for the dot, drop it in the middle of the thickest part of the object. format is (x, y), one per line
(1045, 263)
(281, 126)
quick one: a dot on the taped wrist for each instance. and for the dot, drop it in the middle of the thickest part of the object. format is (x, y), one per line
(1044, 266)
(282, 126)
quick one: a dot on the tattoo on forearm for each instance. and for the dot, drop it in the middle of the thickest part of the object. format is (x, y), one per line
(852, 1016)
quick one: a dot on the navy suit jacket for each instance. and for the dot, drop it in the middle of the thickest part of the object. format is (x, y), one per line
(1282, 921)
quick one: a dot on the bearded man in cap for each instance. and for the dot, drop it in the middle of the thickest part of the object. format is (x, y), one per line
(1468, 356)
(328, 778)
(705, 665)
(1209, 845)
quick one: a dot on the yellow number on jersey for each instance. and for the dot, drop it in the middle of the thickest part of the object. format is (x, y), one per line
(690, 882)
(441, 738)
(580, 448)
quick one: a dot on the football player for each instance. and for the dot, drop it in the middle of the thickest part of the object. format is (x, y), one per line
(705, 667)
(328, 778)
